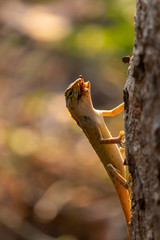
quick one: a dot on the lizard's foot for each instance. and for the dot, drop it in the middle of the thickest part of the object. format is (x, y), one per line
(122, 150)
(122, 139)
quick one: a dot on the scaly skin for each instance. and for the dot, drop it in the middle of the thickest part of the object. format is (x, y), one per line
(79, 104)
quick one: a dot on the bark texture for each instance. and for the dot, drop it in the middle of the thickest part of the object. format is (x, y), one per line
(142, 122)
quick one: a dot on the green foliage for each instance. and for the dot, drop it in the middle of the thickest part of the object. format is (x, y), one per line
(113, 36)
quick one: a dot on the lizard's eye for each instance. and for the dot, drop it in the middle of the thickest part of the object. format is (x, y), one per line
(69, 93)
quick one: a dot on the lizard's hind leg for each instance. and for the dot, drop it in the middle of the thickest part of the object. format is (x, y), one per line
(116, 176)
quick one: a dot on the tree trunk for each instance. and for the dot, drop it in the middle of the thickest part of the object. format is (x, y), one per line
(142, 122)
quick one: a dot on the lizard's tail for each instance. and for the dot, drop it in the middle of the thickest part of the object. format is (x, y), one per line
(126, 205)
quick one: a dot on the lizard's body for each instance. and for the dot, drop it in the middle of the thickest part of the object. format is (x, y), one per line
(92, 123)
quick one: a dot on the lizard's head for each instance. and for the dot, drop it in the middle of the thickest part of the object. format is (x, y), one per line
(77, 94)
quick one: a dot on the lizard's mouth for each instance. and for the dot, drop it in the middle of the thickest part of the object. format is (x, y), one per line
(84, 86)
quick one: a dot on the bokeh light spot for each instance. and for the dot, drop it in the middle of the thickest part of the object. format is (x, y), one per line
(23, 141)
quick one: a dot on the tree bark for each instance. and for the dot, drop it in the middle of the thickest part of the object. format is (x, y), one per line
(142, 122)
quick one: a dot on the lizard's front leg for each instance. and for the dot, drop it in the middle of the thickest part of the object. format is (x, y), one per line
(114, 140)
(113, 112)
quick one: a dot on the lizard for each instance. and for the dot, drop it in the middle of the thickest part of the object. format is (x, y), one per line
(91, 121)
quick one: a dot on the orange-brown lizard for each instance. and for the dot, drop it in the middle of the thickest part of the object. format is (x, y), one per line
(90, 120)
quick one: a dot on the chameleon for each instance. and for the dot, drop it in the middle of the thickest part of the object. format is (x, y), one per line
(91, 121)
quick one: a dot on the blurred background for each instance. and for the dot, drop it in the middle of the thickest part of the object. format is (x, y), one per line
(52, 184)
